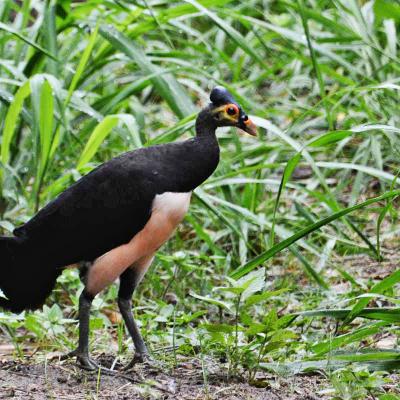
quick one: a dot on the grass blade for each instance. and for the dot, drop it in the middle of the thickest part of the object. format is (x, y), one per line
(45, 126)
(96, 138)
(383, 314)
(82, 63)
(379, 288)
(11, 121)
(287, 173)
(14, 32)
(355, 336)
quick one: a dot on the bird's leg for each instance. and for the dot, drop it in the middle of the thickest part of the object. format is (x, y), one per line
(129, 280)
(85, 303)
(128, 283)
(82, 352)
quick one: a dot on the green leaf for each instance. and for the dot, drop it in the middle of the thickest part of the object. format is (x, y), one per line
(368, 170)
(256, 328)
(374, 360)
(200, 195)
(383, 314)
(258, 298)
(33, 324)
(287, 173)
(82, 64)
(389, 397)
(282, 335)
(210, 300)
(96, 139)
(11, 120)
(342, 340)
(49, 31)
(45, 127)
(380, 287)
(203, 235)
(329, 138)
(234, 290)
(14, 32)
(168, 13)
(310, 270)
(219, 328)
(386, 9)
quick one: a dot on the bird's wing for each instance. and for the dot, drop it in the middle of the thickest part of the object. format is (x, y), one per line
(102, 210)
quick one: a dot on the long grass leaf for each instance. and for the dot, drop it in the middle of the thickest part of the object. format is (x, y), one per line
(383, 314)
(14, 32)
(11, 121)
(287, 173)
(380, 287)
(347, 338)
(97, 137)
(82, 64)
(45, 125)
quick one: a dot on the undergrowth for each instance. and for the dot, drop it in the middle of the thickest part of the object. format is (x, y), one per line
(282, 264)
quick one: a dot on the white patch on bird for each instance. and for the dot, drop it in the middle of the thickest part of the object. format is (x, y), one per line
(172, 205)
(168, 209)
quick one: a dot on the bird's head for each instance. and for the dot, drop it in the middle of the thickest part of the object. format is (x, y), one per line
(227, 112)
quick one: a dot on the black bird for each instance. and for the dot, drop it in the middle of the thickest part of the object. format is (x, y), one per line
(112, 221)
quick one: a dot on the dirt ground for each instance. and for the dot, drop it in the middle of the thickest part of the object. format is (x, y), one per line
(64, 381)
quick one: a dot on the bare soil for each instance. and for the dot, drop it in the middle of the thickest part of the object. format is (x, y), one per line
(64, 381)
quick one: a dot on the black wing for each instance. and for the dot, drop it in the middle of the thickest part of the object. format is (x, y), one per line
(102, 210)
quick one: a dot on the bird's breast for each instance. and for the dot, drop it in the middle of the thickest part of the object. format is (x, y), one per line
(171, 206)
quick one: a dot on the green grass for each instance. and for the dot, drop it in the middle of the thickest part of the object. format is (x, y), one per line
(82, 82)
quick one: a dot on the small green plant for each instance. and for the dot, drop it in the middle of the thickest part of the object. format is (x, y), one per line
(246, 339)
(355, 383)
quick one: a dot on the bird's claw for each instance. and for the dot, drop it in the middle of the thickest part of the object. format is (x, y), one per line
(145, 359)
(85, 362)
(82, 360)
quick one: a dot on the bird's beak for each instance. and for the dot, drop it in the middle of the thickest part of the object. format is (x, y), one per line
(249, 127)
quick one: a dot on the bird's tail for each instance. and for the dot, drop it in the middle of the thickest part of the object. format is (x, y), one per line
(26, 279)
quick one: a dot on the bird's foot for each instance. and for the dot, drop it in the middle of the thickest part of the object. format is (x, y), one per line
(85, 362)
(144, 359)
(82, 359)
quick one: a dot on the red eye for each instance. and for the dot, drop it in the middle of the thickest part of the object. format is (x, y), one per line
(232, 109)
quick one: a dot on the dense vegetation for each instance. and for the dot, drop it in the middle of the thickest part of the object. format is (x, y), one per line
(282, 263)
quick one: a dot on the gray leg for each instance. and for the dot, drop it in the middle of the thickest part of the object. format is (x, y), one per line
(128, 282)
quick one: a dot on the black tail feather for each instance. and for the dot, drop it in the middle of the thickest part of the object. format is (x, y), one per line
(26, 279)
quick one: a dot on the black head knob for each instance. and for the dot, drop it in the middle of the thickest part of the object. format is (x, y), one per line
(219, 96)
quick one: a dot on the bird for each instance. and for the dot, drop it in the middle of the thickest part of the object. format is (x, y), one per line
(112, 221)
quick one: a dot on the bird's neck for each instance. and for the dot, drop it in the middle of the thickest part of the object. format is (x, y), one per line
(205, 124)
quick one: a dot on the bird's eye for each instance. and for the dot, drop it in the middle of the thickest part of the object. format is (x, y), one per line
(231, 110)
(245, 118)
